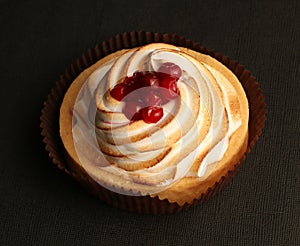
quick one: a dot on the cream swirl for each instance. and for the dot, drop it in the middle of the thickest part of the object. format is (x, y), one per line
(193, 133)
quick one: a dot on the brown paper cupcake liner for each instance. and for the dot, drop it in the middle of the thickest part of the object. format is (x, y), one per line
(127, 40)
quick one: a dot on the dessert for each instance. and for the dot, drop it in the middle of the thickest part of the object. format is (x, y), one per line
(157, 121)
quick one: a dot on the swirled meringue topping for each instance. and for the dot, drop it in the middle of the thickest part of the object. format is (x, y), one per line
(193, 133)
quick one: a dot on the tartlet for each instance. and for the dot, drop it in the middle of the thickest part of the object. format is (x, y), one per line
(181, 159)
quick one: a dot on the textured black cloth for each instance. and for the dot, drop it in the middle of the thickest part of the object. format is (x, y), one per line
(40, 205)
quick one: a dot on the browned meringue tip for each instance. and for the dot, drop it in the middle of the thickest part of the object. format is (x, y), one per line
(141, 204)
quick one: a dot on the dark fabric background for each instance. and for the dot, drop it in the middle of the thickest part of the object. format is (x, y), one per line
(40, 205)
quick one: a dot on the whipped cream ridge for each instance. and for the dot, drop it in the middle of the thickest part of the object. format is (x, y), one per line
(193, 134)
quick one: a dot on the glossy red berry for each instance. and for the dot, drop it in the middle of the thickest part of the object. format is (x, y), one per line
(152, 114)
(137, 76)
(134, 95)
(151, 79)
(169, 69)
(152, 98)
(169, 89)
(145, 92)
(132, 110)
(119, 91)
(132, 85)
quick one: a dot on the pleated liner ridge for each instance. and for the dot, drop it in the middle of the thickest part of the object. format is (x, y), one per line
(127, 40)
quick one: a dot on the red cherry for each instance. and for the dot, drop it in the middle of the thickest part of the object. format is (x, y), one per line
(127, 79)
(132, 110)
(153, 98)
(136, 81)
(151, 79)
(133, 96)
(152, 114)
(119, 91)
(169, 89)
(169, 69)
(137, 76)
(158, 88)
(132, 85)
